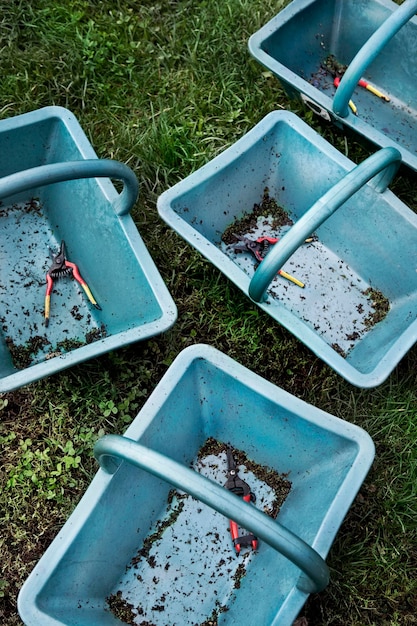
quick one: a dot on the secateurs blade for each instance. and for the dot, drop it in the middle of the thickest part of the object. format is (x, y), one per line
(238, 486)
(258, 247)
(62, 267)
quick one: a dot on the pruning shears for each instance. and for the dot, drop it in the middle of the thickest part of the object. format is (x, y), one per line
(238, 486)
(364, 83)
(62, 267)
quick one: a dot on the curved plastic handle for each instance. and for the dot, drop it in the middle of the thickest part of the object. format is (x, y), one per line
(368, 53)
(70, 170)
(112, 448)
(380, 167)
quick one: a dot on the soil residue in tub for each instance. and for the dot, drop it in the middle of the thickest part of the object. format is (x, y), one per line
(268, 207)
(333, 66)
(211, 450)
(161, 526)
(95, 334)
(213, 619)
(324, 76)
(380, 305)
(279, 483)
(31, 206)
(23, 355)
(123, 610)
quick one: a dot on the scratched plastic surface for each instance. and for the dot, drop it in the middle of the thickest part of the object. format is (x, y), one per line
(203, 394)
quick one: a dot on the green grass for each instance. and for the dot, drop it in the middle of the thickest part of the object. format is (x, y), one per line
(165, 86)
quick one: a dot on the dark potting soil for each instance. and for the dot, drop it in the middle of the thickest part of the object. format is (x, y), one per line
(23, 355)
(268, 207)
(122, 609)
(380, 304)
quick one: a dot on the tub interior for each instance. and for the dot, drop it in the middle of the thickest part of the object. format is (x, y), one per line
(341, 28)
(33, 223)
(359, 253)
(120, 512)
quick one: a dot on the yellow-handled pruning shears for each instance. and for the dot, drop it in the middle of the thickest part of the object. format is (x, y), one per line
(259, 247)
(61, 267)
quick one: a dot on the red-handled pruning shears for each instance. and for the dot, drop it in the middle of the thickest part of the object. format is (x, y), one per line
(337, 70)
(61, 267)
(240, 488)
(258, 247)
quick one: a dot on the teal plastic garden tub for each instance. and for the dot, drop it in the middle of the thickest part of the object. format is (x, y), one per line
(53, 188)
(134, 551)
(376, 39)
(358, 308)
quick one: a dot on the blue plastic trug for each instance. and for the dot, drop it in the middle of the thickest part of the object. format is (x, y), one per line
(167, 558)
(365, 248)
(376, 39)
(53, 187)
